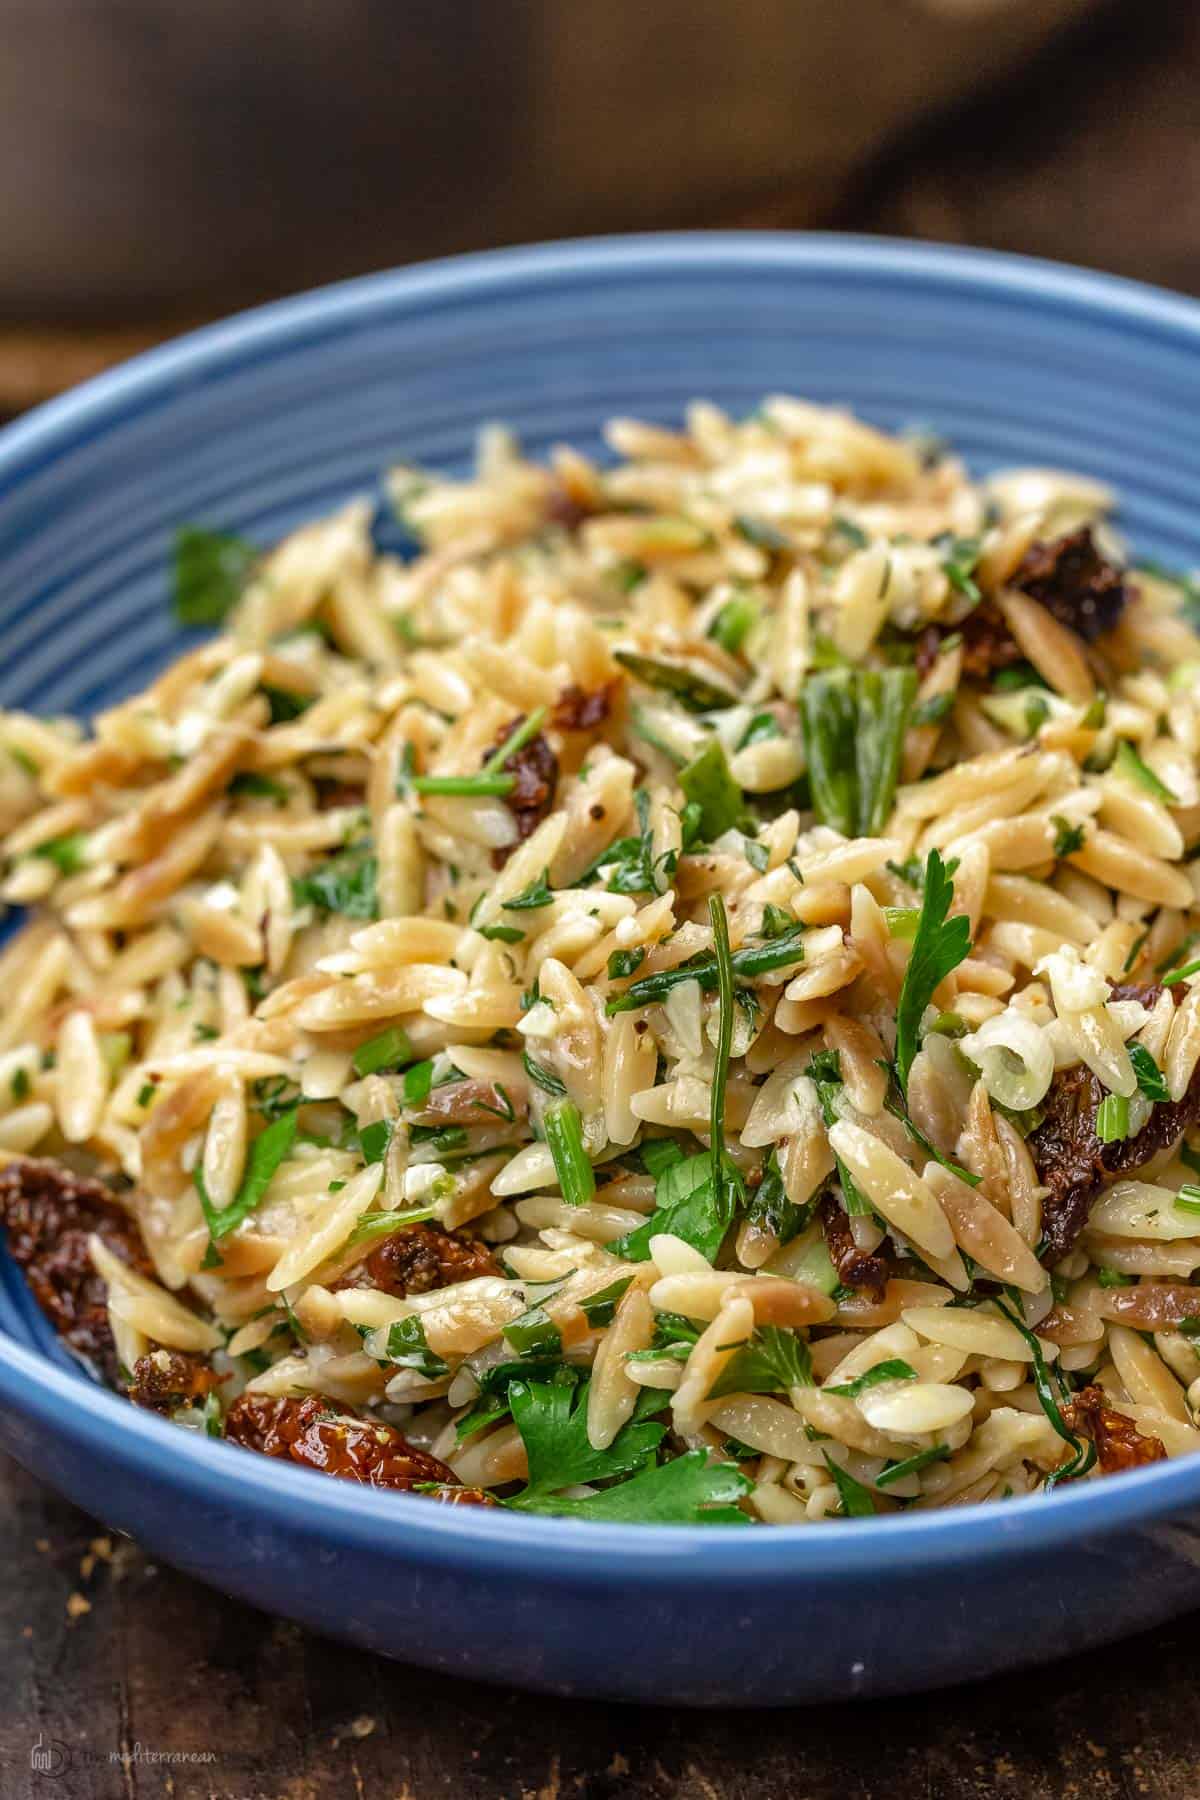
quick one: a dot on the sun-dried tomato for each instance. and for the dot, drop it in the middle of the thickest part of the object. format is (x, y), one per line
(1148, 993)
(165, 1380)
(339, 1442)
(49, 1213)
(1071, 579)
(1075, 1166)
(421, 1258)
(855, 1268)
(534, 768)
(988, 644)
(582, 709)
(1119, 1443)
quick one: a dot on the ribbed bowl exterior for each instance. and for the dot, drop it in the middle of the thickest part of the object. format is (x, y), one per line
(278, 416)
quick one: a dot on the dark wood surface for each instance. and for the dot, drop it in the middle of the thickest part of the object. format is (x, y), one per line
(1091, 156)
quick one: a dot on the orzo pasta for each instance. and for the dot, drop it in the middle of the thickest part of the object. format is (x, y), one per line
(675, 1002)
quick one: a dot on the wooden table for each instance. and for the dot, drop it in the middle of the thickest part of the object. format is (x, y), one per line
(1093, 157)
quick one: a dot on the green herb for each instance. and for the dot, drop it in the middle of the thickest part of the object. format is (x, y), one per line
(286, 704)
(369, 1227)
(212, 569)
(492, 778)
(387, 1051)
(734, 622)
(375, 1139)
(630, 860)
(534, 1333)
(1150, 1078)
(769, 1208)
(825, 1073)
(749, 962)
(628, 575)
(959, 558)
(884, 701)
(418, 1083)
(407, 1348)
(940, 945)
(761, 534)
(439, 1137)
(19, 1084)
(564, 1134)
(625, 962)
(541, 1077)
(68, 853)
(506, 1110)
(1127, 762)
(706, 781)
(538, 893)
(684, 1206)
(898, 1470)
(345, 884)
(1112, 1119)
(855, 1498)
(1111, 1278)
(1188, 1198)
(692, 690)
(828, 719)
(674, 1338)
(259, 787)
(551, 1417)
(762, 726)
(772, 1361)
(1184, 974)
(599, 1309)
(726, 1182)
(471, 785)
(853, 723)
(902, 921)
(696, 1489)
(212, 1415)
(1068, 838)
(501, 934)
(658, 1155)
(1048, 1397)
(933, 710)
(269, 1149)
(852, 532)
(756, 854)
(894, 1369)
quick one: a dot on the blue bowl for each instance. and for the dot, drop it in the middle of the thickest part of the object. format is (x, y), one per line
(276, 417)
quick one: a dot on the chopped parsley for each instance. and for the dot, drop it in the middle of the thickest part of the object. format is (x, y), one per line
(211, 570)
(940, 944)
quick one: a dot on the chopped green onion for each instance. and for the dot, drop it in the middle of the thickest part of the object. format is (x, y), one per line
(1188, 1198)
(386, 1051)
(1127, 762)
(707, 781)
(1112, 1119)
(564, 1134)
(1184, 974)
(734, 622)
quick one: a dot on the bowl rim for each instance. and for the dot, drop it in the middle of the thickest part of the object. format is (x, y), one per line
(93, 1419)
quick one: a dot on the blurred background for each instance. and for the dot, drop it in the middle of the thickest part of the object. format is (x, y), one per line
(170, 161)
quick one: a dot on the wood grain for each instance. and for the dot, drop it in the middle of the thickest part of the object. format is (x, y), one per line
(160, 1662)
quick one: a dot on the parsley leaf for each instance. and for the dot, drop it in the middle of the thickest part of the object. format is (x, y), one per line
(772, 1361)
(940, 945)
(345, 884)
(269, 1149)
(695, 1489)
(211, 571)
(551, 1417)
